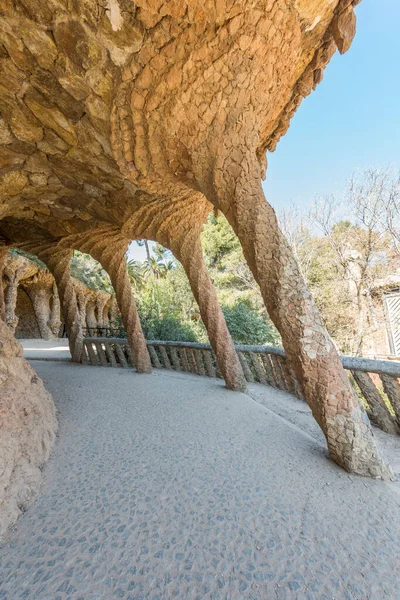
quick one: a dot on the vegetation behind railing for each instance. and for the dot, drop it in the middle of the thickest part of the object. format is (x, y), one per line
(375, 381)
(104, 332)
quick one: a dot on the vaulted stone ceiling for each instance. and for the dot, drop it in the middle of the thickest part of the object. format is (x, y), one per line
(107, 107)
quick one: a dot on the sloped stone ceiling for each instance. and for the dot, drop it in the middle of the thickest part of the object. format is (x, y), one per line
(106, 107)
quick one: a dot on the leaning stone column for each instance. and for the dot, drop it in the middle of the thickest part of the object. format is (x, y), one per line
(57, 261)
(82, 299)
(3, 255)
(110, 252)
(41, 306)
(106, 315)
(236, 190)
(11, 298)
(39, 290)
(55, 313)
(91, 319)
(101, 301)
(188, 250)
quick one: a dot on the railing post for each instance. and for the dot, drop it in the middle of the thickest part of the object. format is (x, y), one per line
(391, 387)
(154, 358)
(379, 412)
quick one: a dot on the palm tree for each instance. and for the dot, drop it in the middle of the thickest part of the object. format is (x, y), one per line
(135, 272)
(154, 267)
(169, 266)
(145, 243)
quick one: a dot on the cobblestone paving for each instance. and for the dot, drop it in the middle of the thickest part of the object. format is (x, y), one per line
(169, 486)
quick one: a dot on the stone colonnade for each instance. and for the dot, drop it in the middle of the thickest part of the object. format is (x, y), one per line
(18, 273)
(138, 129)
(308, 346)
(109, 246)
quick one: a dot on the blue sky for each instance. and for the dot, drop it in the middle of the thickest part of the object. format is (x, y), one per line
(350, 122)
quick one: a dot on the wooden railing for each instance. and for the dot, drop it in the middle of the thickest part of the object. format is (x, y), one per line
(375, 381)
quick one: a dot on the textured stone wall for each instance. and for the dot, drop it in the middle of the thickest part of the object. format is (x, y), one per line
(27, 325)
(27, 430)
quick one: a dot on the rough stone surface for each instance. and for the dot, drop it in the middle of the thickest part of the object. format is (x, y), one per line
(178, 488)
(27, 325)
(27, 430)
(111, 254)
(136, 119)
(32, 303)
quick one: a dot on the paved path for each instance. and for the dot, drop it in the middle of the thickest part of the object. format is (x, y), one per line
(57, 349)
(299, 414)
(169, 486)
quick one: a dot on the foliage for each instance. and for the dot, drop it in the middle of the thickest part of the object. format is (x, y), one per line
(156, 267)
(166, 327)
(246, 326)
(135, 272)
(90, 272)
(32, 257)
(167, 308)
(344, 247)
(218, 241)
(228, 269)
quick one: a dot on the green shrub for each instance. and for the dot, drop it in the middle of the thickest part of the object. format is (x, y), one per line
(167, 328)
(247, 326)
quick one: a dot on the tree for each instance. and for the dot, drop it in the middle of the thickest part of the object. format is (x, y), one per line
(145, 243)
(228, 269)
(218, 240)
(345, 246)
(168, 309)
(154, 267)
(90, 272)
(246, 326)
(375, 196)
(135, 272)
(235, 285)
(360, 249)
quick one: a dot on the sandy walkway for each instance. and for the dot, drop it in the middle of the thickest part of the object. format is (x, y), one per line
(169, 486)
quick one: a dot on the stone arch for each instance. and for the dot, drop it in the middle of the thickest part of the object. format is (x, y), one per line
(93, 301)
(39, 288)
(177, 225)
(187, 249)
(108, 247)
